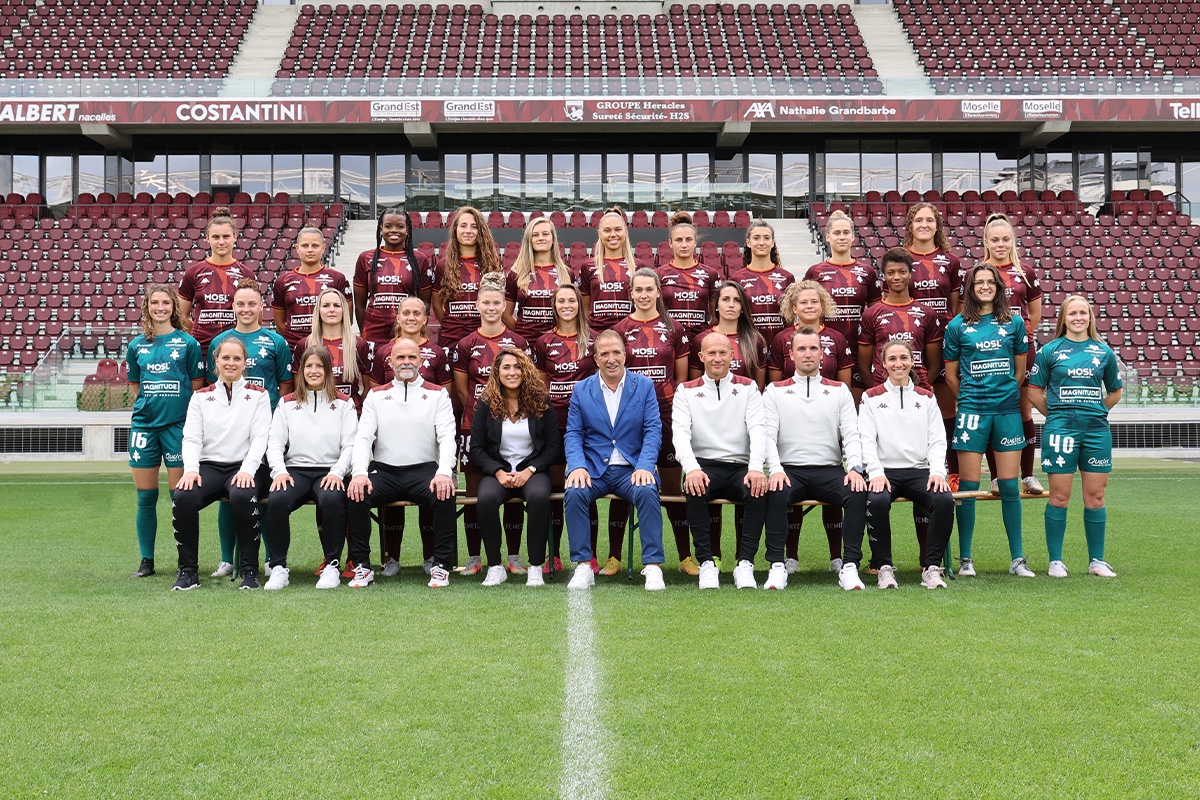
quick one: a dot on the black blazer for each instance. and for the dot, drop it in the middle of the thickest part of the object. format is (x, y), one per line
(485, 441)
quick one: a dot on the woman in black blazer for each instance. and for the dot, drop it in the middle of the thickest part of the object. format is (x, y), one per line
(514, 440)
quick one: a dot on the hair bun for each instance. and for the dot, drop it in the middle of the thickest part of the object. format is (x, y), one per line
(220, 211)
(998, 215)
(681, 217)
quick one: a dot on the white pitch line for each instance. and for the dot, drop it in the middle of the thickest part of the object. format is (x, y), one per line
(584, 741)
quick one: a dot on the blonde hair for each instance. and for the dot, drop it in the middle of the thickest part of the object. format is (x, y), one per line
(523, 267)
(1060, 325)
(791, 294)
(1001, 219)
(837, 216)
(345, 333)
(398, 330)
(491, 282)
(627, 254)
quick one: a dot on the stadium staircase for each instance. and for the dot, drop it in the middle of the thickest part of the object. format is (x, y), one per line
(360, 236)
(892, 51)
(795, 239)
(262, 49)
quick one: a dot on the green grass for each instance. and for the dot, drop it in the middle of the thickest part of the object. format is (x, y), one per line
(994, 688)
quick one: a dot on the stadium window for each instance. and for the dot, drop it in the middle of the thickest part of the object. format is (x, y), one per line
(508, 181)
(1060, 173)
(997, 173)
(699, 179)
(6, 173)
(841, 175)
(537, 182)
(591, 180)
(225, 169)
(454, 169)
(183, 173)
(960, 172)
(424, 177)
(118, 173)
(644, 180)
(1189, 187)
(150, 174)
(671, 181)
(91, 175)
(287, 174)
(764, 189)
(26, 174)
(256, 173)
(878, 171)
(483, 181)
(729, 189)
(1129, 171)
(562, 178)
(60, 180)
(1093, 169)
(318, 177)
(795, 173)
(914, 169)
(1031, 171)
(1162, 177)
(354, 185)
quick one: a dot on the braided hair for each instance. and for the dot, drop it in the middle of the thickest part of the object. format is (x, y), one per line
(409, 251)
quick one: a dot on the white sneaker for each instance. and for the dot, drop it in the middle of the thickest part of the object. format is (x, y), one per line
(391, 569)
(439, 578)
(363, 577)
(848, 577)
(331, 576)
(743, 575)
(654, 577)
(1057, 569)
(777, 577)
(267, 568)
(583, 577)
(1019, 568)
(223, 570)
(931, 578)
(1101, 569)
(792, 566)
(887, 577)
(495, 576)
(1031, 485)
(995, 486)
(966, 568)
(835, 565)
(278, 579)
(710, 576)
(534, 577)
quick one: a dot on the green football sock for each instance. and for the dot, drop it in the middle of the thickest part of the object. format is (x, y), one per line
(1010, 509)
(1056, 530)
(966, 519)
(146, 520)
(227, 531)
(1095, 521)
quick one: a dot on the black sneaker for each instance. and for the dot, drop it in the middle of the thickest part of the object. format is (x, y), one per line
(249, 578)
(145, 569)
(185, 579)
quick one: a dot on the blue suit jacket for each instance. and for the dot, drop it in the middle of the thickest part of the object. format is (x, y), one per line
(589, 439)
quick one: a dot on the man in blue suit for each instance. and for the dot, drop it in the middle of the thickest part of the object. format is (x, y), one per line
(613, 435)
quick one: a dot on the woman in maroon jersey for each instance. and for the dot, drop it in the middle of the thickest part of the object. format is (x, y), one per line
(412, 323)
(852, 284)
(806, 303)
(471, 363)
(469, 254)
(294, 295)
(605, 279)
(1025, 297)
(936, 278)
(686, 283)
(764, 278)
(530, 284)
(656, 346)
(206, 291)
(731, 316)
(333, 330)
(899, 316)
(386, 275)
(564, 355)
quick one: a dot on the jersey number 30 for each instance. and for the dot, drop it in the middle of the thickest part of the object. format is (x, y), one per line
(968, 422)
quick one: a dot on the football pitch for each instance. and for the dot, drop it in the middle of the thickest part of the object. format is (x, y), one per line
(996, 687)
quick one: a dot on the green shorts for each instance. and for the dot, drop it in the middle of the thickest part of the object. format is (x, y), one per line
(975, 433)
(149, 448)
(1066, 449)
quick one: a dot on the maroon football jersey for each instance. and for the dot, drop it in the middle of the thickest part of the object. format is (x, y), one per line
(853, 287)
(435, 363)
(608, 289)
(459, 316)
(474, 354)
(338, 357)
(535, 305)
(836, 354)
(765, 290)
(686, 294)
(558, 356)
(296, 295)
(209, 288)
(651, 348)
(935, 277)
(914, 322)
(737, 364)
(392, 280)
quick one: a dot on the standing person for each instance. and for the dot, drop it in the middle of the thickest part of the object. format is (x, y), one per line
(224, 440)
(764, 279)
(731, 318)
(309, 450)
(564, 355)
(530, 284)
(514, 440)
(936, 282)
(295, 292)
(656, 346)
(412, 323)
(686, 283)
(471, 364)
(350, 354)
(807, 304)
(812, 429)
(1025, 298)
(614, 431)
(469, 254)
(986, 347)
(904, 448)
(852, 284)
(164, 367)
(269, 365)
(1075, 383)
(386, 275)
(604, 280)
(403, 450)
(718, 432)
(206, 291)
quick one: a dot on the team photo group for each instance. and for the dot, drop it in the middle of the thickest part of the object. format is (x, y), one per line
(648, 389)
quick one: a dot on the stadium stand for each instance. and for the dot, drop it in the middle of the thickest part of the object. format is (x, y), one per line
(1170, 30)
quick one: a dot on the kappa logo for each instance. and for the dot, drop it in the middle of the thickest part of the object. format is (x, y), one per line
(760, 110)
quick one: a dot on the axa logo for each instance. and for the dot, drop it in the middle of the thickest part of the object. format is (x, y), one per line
(760, 110)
